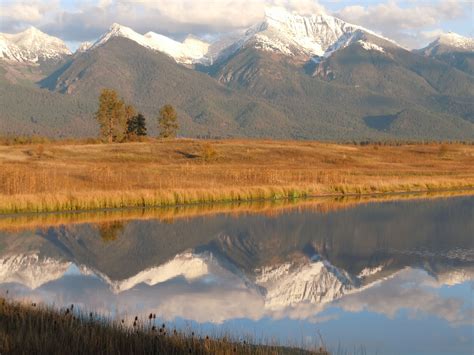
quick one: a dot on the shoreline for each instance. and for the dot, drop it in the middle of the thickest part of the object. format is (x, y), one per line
(170, 214)
(469, 190)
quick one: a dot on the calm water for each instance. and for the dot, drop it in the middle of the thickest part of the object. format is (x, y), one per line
(392, 277)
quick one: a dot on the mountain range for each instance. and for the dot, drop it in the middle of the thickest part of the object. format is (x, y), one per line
(288, 76)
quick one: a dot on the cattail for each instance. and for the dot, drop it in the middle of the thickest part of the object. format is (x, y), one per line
(123, 321)
(136, 318)
(72, 306)
(163, 325)
(154, 315)
(153, 328)
(90, 314)
(150, 316)
(134, 324)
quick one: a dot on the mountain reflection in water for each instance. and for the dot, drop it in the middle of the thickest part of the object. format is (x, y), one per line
(404, 266)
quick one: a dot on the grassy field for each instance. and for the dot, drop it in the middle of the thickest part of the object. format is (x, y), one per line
(67, 176)
(33, 329)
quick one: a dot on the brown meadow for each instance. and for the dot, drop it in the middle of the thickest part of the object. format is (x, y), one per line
(71, 176)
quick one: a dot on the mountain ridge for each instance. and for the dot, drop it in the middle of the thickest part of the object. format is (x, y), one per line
(452, 49)
(32, 46)
(289, 76)
(280, 31)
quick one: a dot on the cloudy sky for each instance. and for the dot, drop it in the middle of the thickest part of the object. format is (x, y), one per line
(413, 23)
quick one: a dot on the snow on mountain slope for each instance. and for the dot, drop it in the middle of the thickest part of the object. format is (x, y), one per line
(317, 35)
(31, 270)
(187, 265)
(31, 46)
(297, 283)
(191, 266)
(370, 46)
(455, 277)
(281, 31)
(370, 271)
(292, 283)
(449, 41)
(455, 40)
(192, 50)
(84, 46)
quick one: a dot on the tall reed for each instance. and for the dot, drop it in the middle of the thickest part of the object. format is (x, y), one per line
(33, 329)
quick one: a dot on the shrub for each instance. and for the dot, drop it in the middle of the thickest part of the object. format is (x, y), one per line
(208, 152)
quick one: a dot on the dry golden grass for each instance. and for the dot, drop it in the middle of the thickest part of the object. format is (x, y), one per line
(58, 176)
(170, 214)
(37, 329)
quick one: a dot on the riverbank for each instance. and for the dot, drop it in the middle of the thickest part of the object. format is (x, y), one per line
(15, 222)
(32, 328)
(70, 177)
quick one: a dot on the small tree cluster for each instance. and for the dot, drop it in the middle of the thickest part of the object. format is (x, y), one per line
(118, 121)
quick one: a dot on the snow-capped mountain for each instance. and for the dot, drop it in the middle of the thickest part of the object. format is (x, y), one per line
(31, 270)
(317, 35)
(192, 50)
(281, 31)
(449, 42)
(313, 281)
(31, 46)
(298, 282)
(292, 283)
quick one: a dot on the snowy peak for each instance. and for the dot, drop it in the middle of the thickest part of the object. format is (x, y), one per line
(117, 30)
(455, 40)
(281, 31)
(317, 35)
(31, 270)
(315, 282)
(84, 46)
(189, 52)
(31, 46)
(448, 42)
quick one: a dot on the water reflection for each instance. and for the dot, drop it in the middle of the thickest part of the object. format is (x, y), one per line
(397, 265)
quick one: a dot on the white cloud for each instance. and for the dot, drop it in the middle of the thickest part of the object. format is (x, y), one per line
(17, 13)
(406, 21)
(412, 290)
(92, 17)
(432, 34)
(406, 24)
(232, 13)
